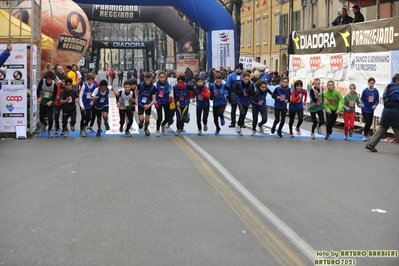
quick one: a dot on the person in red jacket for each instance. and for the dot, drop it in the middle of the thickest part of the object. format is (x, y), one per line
(298, 96)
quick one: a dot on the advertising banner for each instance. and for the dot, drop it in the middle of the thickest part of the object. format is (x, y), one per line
(247, 62)
(223, 48)
(13, 95)
(394, 62)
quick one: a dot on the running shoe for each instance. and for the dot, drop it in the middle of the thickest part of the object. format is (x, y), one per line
(128, 133)
(298, 131)
(82, 133)
(199, 132)
(261, 129)
(106, 126)
(327, 137)
(50, 134)
(205, 127)
(364, 138)
(345, 137)
(163, 130)
(65, 133)
(141, 125)
(350, 133)
(42, 128)
(217, 132)
(273, 130)
(312, 136)
(91, 129)
(291, 134)
(147, 132)
(279, 133)
(370, 148)
(319, 130)
(177, 133)
(98, 133)
(57, 131)
(120, 128)
(253, 133)
(222, 122)
(157, 133)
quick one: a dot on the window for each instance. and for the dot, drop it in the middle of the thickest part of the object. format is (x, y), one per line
(242, 35)
(297, 20)
(257, 38)
(265, 30)
(249, 33)
(284, 25)
(277, 26)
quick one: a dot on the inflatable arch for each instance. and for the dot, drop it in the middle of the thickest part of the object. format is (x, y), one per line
(208, 15)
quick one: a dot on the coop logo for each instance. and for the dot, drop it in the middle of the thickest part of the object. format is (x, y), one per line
(223, 37)
(296, 62)
(14, 99)
(315, 62)
(336, 62)
(10, 107)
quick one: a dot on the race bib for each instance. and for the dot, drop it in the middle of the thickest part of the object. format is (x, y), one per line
(332, 102)
(200, 97)
(282, 97)
(46, 94)
(70, 100)
(181, 98)
(238, 77)
(88, 95)
(102, 100)
(160, 94)
(126, 102)
(260, 102)
(371, 98)
(351, 103)
(245, 93)
(215, 93)
(318, 102)
(144, 100)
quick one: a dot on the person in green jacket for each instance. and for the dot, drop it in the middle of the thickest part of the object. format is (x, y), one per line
(350, 100)
(333, 104)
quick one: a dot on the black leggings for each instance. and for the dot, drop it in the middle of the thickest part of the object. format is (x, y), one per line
(277, 114)
(166, 109)
(204, 118)
(57, 117)
(368, 121)
(255, 113)
(46, 111)
(331, 119)
(233, 113)
(292, 118)
(218, 112)
(85, 118)
(243, 112)
(314, 119)
(122, 118)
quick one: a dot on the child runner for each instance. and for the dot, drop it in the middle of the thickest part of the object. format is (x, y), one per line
(281, 96)
(370, 99)
(218, 94)
(243, 99)
(298, 95)
(60, 87)
(133, 87)
(316, 107)
(46, 95)
(202, 95)
(93, 111)
(350, 100)
(100, 97)
(86, 103)
(163, 99)
(182, 95)
(68, 100)
(145, 95)
(258, 101)
(124, 101)
(333, 104)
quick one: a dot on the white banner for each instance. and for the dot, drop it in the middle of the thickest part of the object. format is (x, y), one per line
(223, 48)
(247, 62)
(13, 95)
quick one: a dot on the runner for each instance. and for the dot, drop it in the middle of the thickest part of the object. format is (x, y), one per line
(316, 107)
(124, 101)
(202, 96)
(68, 100)
(182, 94)
(163, 99)
(350, 100)
(86, 104)
(333, 104)
(60, 87)
(281, 96)
(218, 94)
(146, 96)
(231, 82)
(258, 101)
(370, 99)
(46, 95)
(243, 99)
(298, 96)
(100, 97)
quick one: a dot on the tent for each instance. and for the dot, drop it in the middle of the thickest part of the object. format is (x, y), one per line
(258, 65)
(20, 31)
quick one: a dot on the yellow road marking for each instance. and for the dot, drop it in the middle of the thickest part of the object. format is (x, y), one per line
(282, 254)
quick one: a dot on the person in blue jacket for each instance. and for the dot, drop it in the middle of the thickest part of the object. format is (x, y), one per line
(5, 54)
(219, 95)
(146, 97)
(258, 101)
(202, 95)
(390, 113)
(163, 99)
(243, 99)
(182, 93)
(370, 99)
(100, 101)
(231, 82)
(281, 96)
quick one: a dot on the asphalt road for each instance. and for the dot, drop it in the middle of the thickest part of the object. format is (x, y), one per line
(195, 200)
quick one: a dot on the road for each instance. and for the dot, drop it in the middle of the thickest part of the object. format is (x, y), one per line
(195, 200)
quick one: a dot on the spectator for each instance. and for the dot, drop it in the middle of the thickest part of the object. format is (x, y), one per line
(358, 16)
(343, 19)
(120, 77)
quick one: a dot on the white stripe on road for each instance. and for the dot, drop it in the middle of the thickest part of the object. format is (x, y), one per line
(268, 214)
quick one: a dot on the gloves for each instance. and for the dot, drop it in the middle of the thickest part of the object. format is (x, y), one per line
(156, 105)
(170, 99)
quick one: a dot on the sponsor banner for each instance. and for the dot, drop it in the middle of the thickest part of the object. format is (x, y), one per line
(322, 40)
(247, 62)
(223, 48)
(16, 66)
(394, 62)
(13, 108)
(366, 65)
(377, 36)
(105, 12)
